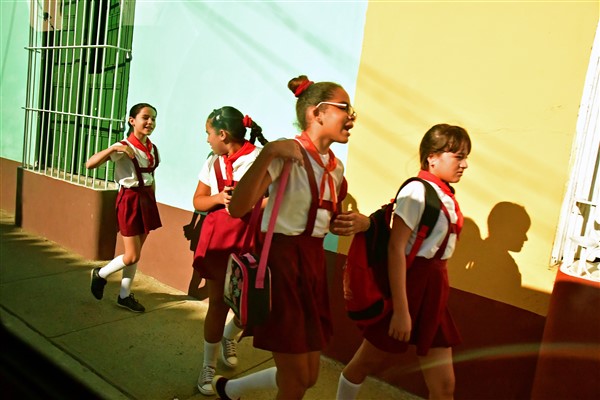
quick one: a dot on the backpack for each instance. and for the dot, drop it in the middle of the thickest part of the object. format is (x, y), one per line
(367, 293)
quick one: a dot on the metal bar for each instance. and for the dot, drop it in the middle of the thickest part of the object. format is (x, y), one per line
(116, 73)
(72, 114)
(87, 46)
(71, 90)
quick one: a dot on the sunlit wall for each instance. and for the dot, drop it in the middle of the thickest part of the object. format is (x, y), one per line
(512, 74)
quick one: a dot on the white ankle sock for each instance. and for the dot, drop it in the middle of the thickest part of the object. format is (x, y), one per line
(115, 265)
(347, 390)
(127, 280)
(265, 379)
(231, 330)
(211, 351)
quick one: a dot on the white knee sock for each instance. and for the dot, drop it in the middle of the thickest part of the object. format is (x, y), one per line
(115, 265)
(127, 280)
(265, 379)
(211, 351)
(347, 390)
(231, 330)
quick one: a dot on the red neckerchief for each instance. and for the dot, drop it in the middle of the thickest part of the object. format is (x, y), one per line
(146, 149)
(447, 189)
(246, 148)
(310, 147)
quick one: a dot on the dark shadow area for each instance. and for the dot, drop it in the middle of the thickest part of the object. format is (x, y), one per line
(197, 287)
(27, 374)
(485, 266)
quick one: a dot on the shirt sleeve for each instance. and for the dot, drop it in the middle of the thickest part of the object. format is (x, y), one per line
(410, 204)
(117, 155)
(204, 175)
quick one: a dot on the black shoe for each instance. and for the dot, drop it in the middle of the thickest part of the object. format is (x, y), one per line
(218, 384)
(97, 284)
(130, 303)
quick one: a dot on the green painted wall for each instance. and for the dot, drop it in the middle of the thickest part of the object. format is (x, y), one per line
(14, 37)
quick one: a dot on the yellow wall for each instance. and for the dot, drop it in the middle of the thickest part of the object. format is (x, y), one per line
(512, 74)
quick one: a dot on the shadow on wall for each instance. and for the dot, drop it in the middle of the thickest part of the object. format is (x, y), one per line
(191, 231)
(485, 266)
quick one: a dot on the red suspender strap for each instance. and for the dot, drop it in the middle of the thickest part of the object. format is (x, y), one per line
(219, 174)
(314, 204)
(262, 264)
(136, 165)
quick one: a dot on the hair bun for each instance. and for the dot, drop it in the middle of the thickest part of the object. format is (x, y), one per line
(302, 87)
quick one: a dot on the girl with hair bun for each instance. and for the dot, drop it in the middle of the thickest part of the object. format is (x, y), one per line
(221, 234)
(299, 326)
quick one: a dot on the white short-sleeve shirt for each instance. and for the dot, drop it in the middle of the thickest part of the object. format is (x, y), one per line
(125, 174)
(293, 212)
(410, 205)
(240, 166)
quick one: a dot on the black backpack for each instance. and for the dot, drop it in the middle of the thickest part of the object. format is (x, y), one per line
(366, 286)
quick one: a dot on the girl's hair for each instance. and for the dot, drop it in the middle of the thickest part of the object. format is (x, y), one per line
(234, 123)
(310, 94)
(135, 110)
(443, 138)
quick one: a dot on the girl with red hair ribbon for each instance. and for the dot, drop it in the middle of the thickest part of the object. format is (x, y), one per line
(221, 234)
(299, 326)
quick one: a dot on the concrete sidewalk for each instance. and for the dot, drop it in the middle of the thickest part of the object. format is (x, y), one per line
(46, 302)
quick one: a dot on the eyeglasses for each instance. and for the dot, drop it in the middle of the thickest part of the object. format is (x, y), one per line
(343, 106)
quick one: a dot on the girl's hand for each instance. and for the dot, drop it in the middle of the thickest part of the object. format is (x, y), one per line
(400, 326)
(348, 223)
(226, 195)
(288, 149)
(125, 149)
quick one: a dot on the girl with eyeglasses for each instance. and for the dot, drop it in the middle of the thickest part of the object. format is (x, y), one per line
(221, 234)
(299, 325)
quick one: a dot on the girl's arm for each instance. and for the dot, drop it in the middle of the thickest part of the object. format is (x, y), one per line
(256, 180)
(203, 201)
(400, 325)
(102, 156)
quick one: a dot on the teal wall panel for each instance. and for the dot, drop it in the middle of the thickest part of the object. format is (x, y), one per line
(192, 57)
(14, 37)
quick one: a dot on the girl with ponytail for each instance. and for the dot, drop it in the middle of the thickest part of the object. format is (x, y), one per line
(221, 234)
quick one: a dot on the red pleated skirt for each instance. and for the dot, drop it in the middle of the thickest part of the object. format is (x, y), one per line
(300, 319)
(137, 212)
(432, 325)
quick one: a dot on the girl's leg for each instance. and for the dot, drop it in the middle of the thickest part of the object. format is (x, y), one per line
(133, 250)
(236, 388)
(292, 376)
(229, 343)
(296, 373)
(367, 360)
(438, 372)
(213, 332)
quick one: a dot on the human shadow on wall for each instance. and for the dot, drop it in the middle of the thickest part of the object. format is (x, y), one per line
(485, 266)
(197, 287)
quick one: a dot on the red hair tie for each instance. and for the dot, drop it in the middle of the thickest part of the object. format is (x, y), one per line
(247, 121)
(302, 87)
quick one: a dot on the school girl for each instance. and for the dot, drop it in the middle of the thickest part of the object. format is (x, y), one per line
(420, 313)
(221, 234)
(299, 325)
(135, 160)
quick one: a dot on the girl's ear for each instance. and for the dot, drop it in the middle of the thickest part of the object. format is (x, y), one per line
(316, 114)
(431, 158)
(223, 134)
